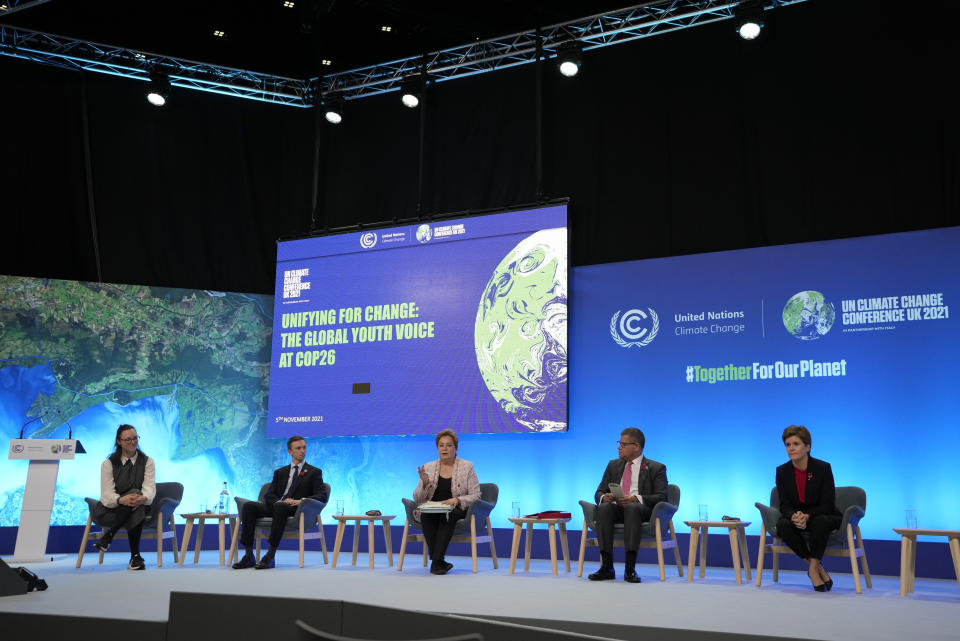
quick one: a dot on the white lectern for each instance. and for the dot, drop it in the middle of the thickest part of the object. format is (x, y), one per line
(44, 455)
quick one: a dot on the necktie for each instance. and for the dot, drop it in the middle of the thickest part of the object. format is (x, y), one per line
(292, 483)
(627, 477)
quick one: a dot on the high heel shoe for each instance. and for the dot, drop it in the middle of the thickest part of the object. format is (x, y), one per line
(819, 588)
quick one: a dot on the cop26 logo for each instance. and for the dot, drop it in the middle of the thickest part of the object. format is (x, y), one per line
(634, 327)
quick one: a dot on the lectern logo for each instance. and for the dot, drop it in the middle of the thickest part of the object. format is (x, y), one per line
(635, 327)
(55, 449)
(17, 449)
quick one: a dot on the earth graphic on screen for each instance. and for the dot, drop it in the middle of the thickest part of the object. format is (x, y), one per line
(424, 233)
(521, 332)
(808, 316)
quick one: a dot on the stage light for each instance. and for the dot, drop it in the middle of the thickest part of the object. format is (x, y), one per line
(219, 33)
(158, 89)
(288, 4)
(749, 19)
(568, 58)
(412, 90)
(386, 28)
(326, 63)
(333, 109)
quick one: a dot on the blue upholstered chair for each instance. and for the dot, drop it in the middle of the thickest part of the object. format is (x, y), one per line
(845, 542)
(473, 528)
(657, 533)
(157, 525)
(299, 526)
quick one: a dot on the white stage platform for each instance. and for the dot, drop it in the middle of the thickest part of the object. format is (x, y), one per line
(790, 609)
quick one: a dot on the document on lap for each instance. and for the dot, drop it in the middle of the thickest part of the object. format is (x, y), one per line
(434, 506)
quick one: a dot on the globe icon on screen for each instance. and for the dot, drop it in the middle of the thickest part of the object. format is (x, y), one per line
(520, 333)
(808, 316)
(424, 234)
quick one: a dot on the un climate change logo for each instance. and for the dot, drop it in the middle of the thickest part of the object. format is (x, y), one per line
(808, 315)
(368, 240)
(424, 234)
(631, 329)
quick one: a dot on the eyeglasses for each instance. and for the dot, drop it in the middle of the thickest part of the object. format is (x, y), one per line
(625, 443)
(132, 439)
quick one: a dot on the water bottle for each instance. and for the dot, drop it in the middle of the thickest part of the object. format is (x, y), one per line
(224, 502)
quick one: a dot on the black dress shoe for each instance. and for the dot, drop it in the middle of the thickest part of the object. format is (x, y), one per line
(603, 574)
(266, 563)
(630, 576)
(440, 567)
(246, 561)
(829, 584)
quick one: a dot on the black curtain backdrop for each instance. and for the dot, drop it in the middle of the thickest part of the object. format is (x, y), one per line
(840, 120)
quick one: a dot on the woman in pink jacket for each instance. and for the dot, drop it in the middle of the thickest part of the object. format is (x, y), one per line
(449, 480)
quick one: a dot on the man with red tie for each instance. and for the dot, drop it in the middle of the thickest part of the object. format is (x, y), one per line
(291, 484)
(643, 484)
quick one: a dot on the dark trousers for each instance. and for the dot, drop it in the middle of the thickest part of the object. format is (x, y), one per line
(121, 515)
(279, 512)
(438, 529)
(632, 516)
(815, 542)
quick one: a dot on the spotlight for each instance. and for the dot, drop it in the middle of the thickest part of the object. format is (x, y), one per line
(158, 89)
(412, 90)
(568, 57)
(333, 109)
(748, 17)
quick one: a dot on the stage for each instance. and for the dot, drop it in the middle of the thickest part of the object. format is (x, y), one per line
(714, 607)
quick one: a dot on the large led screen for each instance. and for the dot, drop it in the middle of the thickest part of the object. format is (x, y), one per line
(456, 324)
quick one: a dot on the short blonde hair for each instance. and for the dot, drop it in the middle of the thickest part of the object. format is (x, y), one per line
(451, 434)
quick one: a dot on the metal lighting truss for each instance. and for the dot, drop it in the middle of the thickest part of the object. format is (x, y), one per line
(641, 21)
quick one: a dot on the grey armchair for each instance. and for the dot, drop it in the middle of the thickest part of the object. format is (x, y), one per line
(657, 533)
(159, 516)
(845, 541)
(473, 528)
(299, 526)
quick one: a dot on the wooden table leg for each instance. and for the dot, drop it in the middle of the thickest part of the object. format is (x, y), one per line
(904, 560)
(692, 555)
(199, 542)
(527, 546)
(338, 539)
(185, 546)
(233, 541)
(221, 539)
(356, 540)
(388, 542)
(744, 555)
(552, 533)
(955, 555)
(913, 564)
(370, 540)
(515, 546)
(233, 527)
(704, 538)
(735, 554)
(565, 546)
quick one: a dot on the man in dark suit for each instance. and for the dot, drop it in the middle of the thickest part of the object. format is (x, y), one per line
(291, 484)
(643, 483)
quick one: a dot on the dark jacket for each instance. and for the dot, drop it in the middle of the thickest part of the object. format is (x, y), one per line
(820, 493)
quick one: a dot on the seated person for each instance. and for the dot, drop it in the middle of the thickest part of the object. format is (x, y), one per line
(291, 484)
(807, 504)
(126, 486)
(449, 480)
(644, 484)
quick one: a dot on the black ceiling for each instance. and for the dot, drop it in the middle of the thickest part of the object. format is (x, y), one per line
(266, 36)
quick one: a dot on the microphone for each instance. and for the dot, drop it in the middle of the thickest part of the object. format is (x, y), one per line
(32, 420)
(69, 427)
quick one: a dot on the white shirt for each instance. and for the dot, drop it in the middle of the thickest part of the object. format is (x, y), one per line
(108, 491)
(635, 478)
(290, 477)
